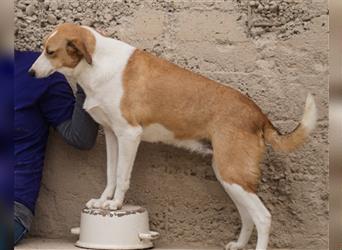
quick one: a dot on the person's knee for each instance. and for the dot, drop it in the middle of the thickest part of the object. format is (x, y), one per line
(19, 231)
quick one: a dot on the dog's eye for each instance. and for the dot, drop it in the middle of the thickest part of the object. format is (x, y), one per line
(50, 52)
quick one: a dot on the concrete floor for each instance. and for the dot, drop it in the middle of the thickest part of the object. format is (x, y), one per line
(67, 244)
(63, 244)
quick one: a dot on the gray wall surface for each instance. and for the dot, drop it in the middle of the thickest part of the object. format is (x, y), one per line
(276, 56)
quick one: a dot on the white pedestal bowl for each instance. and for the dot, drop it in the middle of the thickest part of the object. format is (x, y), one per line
(127, 228)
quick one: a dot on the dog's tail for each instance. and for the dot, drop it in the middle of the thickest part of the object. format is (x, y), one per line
(297, 137)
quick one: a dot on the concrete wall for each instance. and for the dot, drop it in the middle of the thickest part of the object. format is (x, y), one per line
(275, 65)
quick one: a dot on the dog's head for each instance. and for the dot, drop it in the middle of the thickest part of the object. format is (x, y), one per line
(64, 49)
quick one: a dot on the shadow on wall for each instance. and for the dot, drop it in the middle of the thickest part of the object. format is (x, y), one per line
(184, 200)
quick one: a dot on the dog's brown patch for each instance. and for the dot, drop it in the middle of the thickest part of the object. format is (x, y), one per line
(194, 107)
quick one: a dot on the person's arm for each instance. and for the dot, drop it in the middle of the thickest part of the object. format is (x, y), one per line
(81, 130)
(62, 112)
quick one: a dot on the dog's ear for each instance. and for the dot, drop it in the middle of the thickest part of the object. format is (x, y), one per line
(79, 47)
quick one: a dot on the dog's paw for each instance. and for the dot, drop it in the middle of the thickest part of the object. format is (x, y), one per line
(95, 203)
(112, 205)
(233, 245)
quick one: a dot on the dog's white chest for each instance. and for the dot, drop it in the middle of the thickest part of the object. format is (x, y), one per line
(100, 116)
(98, 112)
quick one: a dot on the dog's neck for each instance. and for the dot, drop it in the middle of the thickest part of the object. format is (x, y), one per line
(108, 61)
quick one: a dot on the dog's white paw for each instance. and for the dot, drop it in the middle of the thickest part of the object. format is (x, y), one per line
(112, 205)
(95, 203)
(233, 245)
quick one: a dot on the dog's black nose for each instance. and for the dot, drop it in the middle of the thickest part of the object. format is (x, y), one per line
(32, 73)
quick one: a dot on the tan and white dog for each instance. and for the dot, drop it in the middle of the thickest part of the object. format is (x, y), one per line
(136, 96)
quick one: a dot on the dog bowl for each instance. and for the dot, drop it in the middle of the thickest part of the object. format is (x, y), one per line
(127, 228)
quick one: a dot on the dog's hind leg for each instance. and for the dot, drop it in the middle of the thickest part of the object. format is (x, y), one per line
(236, 159)
(246, 229)
(257, 211)
(112, 152)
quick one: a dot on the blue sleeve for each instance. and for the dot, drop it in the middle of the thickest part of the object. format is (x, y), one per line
(57, 103)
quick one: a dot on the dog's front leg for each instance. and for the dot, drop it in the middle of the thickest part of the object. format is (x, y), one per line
(112, 152)
(128, 142)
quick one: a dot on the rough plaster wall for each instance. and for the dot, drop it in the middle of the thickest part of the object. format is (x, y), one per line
(186, 203)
